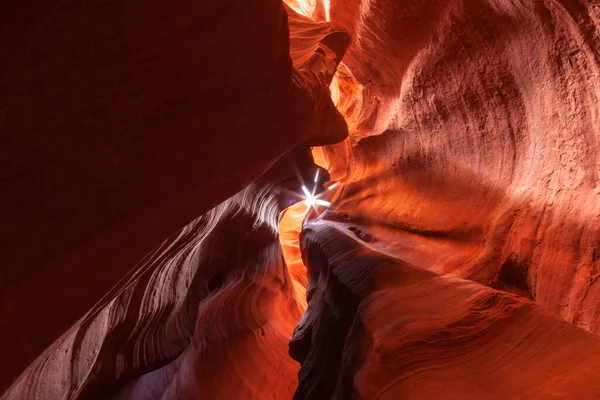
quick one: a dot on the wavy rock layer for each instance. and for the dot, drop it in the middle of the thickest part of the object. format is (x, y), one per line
(226, 258)
(473, 145)
(380, 328)
(242, 324)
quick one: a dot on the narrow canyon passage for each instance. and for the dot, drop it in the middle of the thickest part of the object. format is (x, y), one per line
(159, 243)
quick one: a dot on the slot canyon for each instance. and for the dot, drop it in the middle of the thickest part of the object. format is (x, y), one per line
(300, 199)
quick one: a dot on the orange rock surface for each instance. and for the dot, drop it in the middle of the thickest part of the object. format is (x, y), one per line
(381, 328)
(473, 142)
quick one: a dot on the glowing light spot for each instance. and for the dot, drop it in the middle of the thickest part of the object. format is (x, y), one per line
(312, 200)
(302, 7)
(306, 192)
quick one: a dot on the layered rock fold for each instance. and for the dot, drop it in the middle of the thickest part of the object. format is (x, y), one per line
(381, 328)
(473, 142)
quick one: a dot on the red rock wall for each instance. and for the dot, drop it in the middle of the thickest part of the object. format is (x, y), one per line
(242, 327)
(192, 290)
(473, 142)
(472, 154)
(380, 328)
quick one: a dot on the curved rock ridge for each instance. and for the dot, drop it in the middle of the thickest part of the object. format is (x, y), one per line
(473, 146)
(380, 328)
(152, 318)
(242, 327)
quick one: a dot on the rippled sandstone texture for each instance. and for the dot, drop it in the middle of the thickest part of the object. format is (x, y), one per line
(381, 328)
(473, 146)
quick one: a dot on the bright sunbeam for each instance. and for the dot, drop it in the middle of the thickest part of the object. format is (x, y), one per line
(311, 199)
(306, 192)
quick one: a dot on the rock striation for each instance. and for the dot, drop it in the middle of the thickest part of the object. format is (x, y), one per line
(473, 142)
(381, 328)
